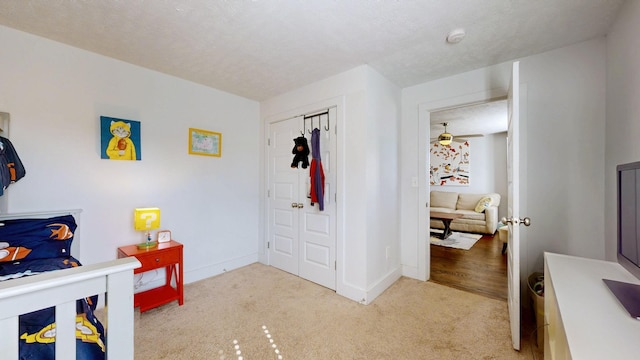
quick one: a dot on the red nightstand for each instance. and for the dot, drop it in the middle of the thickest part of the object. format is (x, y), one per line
(166, 255)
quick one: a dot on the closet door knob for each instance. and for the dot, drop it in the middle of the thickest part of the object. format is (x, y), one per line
(294, 205)
(300, 205)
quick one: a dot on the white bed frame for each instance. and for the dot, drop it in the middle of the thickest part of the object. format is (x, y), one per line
(112, 279)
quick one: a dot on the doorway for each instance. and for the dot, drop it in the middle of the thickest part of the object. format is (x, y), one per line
(445, 111)
(481, 130)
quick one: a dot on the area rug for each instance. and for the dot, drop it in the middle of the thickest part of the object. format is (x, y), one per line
(457, 240)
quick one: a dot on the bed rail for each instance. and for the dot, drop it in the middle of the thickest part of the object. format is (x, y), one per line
(61, 289)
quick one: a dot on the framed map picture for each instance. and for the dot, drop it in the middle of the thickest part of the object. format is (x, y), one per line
(203, 142)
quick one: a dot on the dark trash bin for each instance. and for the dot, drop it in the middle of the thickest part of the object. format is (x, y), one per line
(536, 293)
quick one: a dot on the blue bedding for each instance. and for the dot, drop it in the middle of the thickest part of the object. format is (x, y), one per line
(34, 246)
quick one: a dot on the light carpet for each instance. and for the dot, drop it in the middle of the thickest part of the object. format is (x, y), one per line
(410, 320)
(457, 240)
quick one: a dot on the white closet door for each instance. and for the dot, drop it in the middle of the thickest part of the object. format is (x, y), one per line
(284, 188)
(318, 228)
(302, 239)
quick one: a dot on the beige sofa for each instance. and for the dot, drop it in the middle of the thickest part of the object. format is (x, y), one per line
(484, 222)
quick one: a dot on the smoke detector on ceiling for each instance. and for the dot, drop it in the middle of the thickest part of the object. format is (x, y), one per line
(455, 36)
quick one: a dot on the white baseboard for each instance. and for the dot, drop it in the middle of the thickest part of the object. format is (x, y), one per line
(410, 272)
(217, 269)
(365, 297)
(383, 284)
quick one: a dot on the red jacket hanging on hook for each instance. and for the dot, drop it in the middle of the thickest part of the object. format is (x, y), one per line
(316, 172)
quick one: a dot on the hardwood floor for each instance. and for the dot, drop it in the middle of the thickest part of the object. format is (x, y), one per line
(481, 270)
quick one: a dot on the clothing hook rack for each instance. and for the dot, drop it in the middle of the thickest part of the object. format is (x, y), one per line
(311, 124)
(304, 126)
(319, 116)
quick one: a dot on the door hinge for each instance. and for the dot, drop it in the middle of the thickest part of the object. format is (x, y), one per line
(335, 265)
(268, 141)
(268, 192)
(268, 245)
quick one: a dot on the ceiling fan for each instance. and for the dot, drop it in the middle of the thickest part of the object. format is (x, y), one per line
(446, 138)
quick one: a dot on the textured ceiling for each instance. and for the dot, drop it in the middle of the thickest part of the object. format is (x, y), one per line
(262, 48)
(476, 119)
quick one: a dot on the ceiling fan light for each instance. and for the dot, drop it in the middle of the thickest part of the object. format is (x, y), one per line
(445, 138)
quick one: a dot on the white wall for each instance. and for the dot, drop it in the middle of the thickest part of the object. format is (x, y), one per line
(562, 149)
(381, 180)
(56, 94)
(367, 164)
(623, 109)
(487, 169)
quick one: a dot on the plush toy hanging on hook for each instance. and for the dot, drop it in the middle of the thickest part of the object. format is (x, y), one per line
(301, 152)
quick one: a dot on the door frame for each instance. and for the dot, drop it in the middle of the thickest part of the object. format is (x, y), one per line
(424, 124)
(339, 128)
(513, 208)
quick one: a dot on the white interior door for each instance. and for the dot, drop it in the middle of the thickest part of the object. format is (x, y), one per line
(284, 196)
(302, 239)
(318, 228)
(513, 205)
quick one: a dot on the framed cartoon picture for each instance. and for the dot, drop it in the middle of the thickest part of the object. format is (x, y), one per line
(203, 142)
(120, 139)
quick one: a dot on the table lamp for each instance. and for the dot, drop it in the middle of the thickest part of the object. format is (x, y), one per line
(146, 219)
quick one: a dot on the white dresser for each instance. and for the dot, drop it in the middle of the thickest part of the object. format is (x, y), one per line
(585, 320)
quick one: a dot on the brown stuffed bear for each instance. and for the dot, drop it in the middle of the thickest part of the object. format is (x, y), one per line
(301, 152)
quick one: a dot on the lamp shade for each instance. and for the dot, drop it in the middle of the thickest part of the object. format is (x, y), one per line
(146, 218)
(445, 138)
